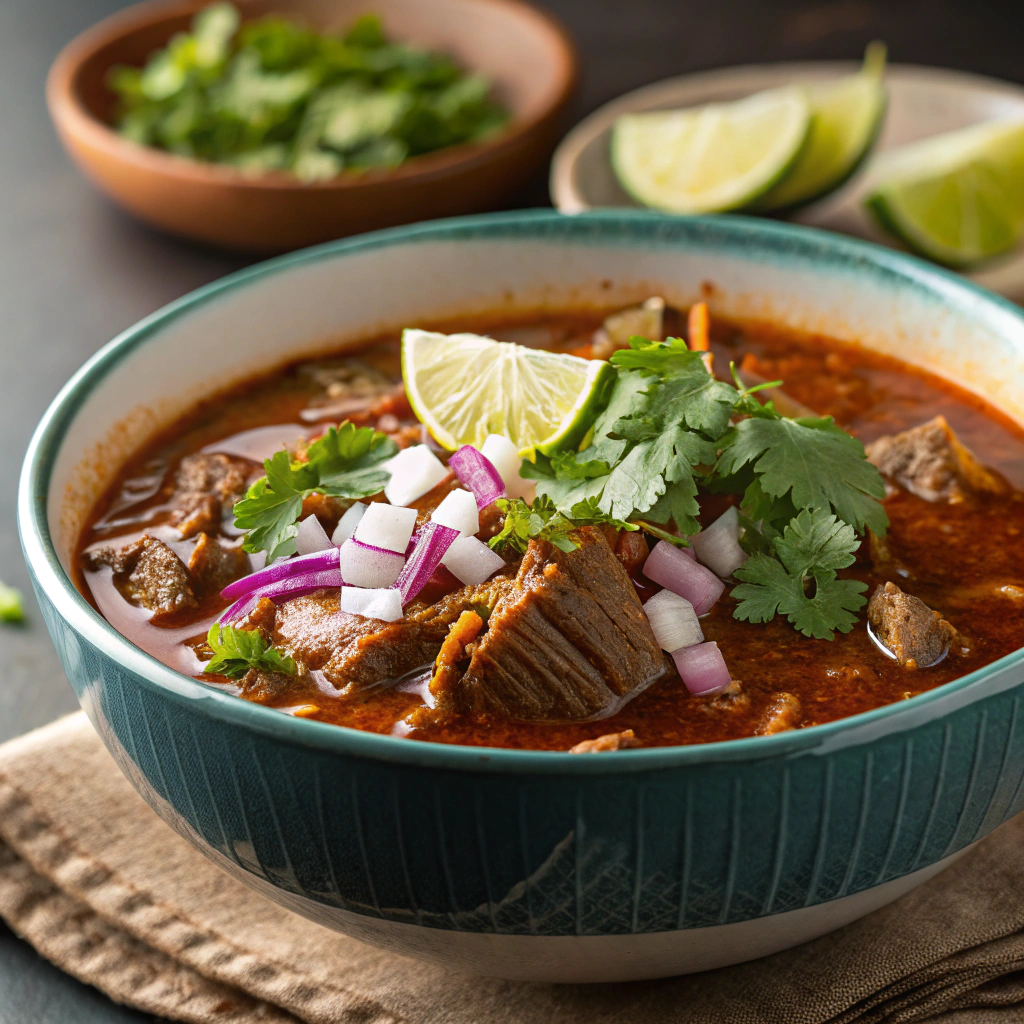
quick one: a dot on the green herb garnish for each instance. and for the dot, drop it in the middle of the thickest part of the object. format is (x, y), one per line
(344, 463)
(806, 490)
(235, 651)
(12, 607)
(274, 95)
(541, 520)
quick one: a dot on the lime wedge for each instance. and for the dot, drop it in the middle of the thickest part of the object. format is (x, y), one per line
(464, 387)
(846, 116)
(957, 198)
(713, 158)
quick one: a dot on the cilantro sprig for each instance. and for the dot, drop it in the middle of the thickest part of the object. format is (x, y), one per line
(344, 463)
(541, 520)
(807, 492)
(235, 651)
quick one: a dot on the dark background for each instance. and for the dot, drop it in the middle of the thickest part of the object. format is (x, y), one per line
(74, 271)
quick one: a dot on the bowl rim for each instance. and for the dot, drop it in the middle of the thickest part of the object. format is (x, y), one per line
(539, 226)
(70, 114)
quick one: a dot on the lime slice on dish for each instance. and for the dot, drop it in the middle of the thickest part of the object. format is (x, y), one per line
(846, 117)
(464, 387)
(957, 198)
(713, 158)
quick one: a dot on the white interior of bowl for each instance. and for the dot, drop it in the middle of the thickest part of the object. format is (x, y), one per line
(265, 317)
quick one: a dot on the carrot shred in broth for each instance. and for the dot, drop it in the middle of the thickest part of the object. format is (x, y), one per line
(965, 560)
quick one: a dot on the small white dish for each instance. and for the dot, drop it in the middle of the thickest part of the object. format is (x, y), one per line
(922, 102)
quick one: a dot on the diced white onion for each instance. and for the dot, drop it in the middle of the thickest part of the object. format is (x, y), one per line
(414, 471)
(458, 510)
(504, 456)
(348, 523)
(471, 560)
(378, 603)
(257, 561)
(718, 546)
(386, 526)
(674, 621)
(363, 566)
(312, 537)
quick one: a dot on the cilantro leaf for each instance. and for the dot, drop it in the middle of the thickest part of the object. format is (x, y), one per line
(541, 520)
(799, 580)
(813, 461)
(627, 398)
(235, 651)
(567, 477)
(693, 397)
(344, 463)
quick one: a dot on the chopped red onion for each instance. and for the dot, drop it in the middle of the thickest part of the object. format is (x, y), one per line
(476, 473)
(364, 565)
(386, 526)
(703, 669)
(718, 546)
(675, 571)
(382, 603)
(459, 511)
(471, 561)
(282, 590)
(674, 621)
(431, 544)
(312, 537)
(414, 471)
(348, 523)
(281, 570)
(506, 459)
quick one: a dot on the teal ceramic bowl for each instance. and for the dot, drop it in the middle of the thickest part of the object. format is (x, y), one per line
(527, 864)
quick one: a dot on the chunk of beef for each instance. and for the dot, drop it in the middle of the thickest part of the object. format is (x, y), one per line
(148, 573)
(262, 617)
(782, 714)
(262, 687)
(205, 486)
(610, 741)
(568, 641)
(448, 663)
(915, 634)
(213, 566)
(931, 462)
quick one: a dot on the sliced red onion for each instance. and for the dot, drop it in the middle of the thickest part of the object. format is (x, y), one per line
(674, 621)
(506, 459)
(414, 471)
(471, 561)
(382, 603)
(675, 571)
(718, 546)
(459, 511)
(364, 565)
(348, 523)
(386, 526)
(431, 544)
(282, 590)
(476, 473)
(312, 537)
(281, 570)
(703, 669)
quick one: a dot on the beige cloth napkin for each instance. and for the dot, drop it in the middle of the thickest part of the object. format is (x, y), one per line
(99, 885)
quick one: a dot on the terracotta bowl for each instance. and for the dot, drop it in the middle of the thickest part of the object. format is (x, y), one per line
(525, 52)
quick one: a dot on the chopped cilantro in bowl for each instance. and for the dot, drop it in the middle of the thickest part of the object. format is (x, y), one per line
(275, 95)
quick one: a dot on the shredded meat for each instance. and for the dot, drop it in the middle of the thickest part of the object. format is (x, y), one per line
(214, 566)
(610, 741)
(149, 574)
(568, 641)
(205, 486)
(931, 462)
(782, 714)
(915, 634)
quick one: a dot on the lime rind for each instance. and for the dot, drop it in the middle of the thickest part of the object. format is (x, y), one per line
(711, 159)
(465, 386)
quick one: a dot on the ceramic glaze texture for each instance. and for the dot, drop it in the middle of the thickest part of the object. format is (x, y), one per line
(351, 827)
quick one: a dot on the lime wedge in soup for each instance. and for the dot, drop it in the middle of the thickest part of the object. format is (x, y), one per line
(846, 117)
(957, 198)
(713, 158)
(464, 387)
